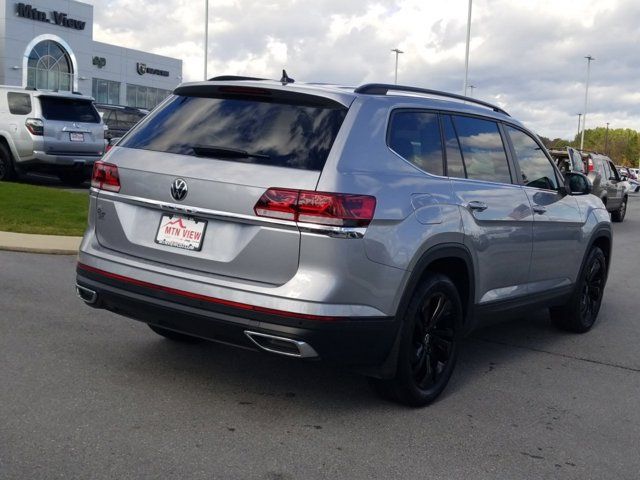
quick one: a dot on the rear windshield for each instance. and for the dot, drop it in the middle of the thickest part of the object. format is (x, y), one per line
(69, 109)
(270, 133)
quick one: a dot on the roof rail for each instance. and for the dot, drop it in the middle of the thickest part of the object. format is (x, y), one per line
(227, 78)
(384, 88)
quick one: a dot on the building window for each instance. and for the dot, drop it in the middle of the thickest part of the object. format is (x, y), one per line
(106, 91)
(49, 67)
(145, 97)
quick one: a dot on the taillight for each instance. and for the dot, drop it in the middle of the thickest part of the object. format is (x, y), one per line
(336, 209)
(108, 147)
(277, 203)
(590, 165)
(35, 126)
(105, 177)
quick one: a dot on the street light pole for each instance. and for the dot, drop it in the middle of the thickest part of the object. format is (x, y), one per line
(586, 95)
(397, 52)
(471, 87)
(579, 117)
(606, 140)
(466, 55)
(206, 36)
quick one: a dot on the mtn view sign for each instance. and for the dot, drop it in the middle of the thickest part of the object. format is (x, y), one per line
(24, 10)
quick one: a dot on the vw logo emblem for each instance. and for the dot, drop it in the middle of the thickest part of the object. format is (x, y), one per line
(179, 189)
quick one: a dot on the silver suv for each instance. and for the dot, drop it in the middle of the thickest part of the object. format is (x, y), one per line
(606, 182)
(60, 133)
(368, 227)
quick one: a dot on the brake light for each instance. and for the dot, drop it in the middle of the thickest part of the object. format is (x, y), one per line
(35, 126)
(336, 209)
(590, 165)
(105, 177)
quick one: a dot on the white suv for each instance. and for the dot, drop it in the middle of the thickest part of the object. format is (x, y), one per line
(60, 133)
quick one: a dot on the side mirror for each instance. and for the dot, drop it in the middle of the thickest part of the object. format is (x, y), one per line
(576, 183)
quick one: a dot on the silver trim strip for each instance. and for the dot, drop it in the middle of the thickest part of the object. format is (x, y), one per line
(327, 230)
(304, 349)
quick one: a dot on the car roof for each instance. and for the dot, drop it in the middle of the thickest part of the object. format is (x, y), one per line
(46, 93)
(345, 95)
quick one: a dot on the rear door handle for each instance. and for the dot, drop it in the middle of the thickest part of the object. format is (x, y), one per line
(476, 205)
(539, 209)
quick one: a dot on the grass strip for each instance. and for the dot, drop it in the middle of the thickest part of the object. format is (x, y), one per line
(49, 211)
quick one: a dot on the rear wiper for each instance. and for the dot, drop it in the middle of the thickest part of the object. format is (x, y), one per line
(224, 152)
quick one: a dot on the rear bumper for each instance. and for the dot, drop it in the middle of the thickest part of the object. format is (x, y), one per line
(71, 160)
(351, 341)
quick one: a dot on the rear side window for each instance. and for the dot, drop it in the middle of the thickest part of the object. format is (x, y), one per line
(415, 136)
(482, 149)
(535, 167)
(19, 103)
(455, 166)
(243, 129)
(69, 109)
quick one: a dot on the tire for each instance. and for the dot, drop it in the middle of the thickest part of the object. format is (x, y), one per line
(429, 344)
(7, 169)
(174, 336)
(72, 177)
(581, 312)
(618, 215)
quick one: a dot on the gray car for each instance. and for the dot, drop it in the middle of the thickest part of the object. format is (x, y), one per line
(368, 227)
(52, 132)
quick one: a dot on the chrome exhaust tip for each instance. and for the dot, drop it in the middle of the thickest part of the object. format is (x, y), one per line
(86, 295)
(282, 345)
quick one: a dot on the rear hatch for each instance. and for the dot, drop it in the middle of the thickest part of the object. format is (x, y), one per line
(72, 126)
(226, 145)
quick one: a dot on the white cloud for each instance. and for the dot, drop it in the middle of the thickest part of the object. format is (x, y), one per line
(527, 56)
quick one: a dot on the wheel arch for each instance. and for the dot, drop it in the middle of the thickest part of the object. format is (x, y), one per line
(7, 141)
(603, 239)
(451, 259)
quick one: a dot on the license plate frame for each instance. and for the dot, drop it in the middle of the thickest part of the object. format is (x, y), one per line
(173, 231)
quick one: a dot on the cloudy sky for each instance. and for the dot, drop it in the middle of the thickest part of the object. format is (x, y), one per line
(526, 55)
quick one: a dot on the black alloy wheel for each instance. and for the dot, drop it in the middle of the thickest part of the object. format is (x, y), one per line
(428, 345)
(581, 312)
(433, 340)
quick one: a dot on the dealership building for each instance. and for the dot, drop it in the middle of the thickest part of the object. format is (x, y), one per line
(48, 45)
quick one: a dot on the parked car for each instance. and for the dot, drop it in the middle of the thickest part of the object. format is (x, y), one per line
(605, 179)
(119, 119)
(630, 178)
(627, 173)
(52, 132)
(352, 226)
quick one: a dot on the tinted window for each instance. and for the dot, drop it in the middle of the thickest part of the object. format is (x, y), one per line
(69, 109)
(535, 168)
(614, 172)
(455, 167)
(19, 103)
(279, 134)
(415, 136)
(482, 149)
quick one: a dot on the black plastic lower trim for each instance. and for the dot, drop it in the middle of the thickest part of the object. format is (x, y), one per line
(350, 341)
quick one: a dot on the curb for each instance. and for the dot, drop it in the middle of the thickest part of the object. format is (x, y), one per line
(32, 243)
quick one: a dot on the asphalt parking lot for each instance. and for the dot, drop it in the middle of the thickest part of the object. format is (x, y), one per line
(88, 394)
